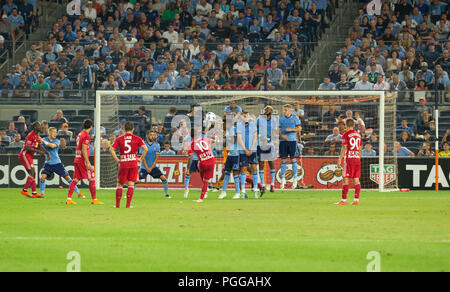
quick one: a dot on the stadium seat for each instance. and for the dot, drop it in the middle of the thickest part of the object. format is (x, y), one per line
(86, 112)
(12, 149)
(54, 124)
(69, 113)
(78, 119)
(20, 126)
(126, 113)
(32, 114)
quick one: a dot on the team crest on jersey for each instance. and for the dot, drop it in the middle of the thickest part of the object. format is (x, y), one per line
(389, 173)
(290, 174)
(329, 174)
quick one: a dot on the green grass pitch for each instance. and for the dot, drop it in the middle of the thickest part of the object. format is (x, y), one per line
(283, 231)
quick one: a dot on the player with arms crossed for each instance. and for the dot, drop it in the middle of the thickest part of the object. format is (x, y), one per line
(82, 165)
(148, 165)
(32, 145)
(128, 173)
(351, 153)
(231, 164)
(201, 146)
(54, 164)
(267, 126)
(247, 136)
(289, 127)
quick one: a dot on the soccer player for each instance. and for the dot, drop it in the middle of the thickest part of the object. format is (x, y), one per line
(148, 165)
(351, 153)
(54, 164)
(82, 165)
(247, 136)
(201, 146)
(128, 173)
(231, 164)
(194, 166)
(289, 127)
(32, 145)
(267, 128)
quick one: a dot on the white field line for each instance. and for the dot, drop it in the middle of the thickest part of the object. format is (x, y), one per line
(61, 238)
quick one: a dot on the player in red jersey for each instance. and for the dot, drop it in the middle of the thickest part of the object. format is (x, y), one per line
(82, 166)
(202, 148)
(351, 152)
(128, 173)
(32, 145)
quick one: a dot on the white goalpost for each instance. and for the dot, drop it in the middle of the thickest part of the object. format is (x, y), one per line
(107, 104)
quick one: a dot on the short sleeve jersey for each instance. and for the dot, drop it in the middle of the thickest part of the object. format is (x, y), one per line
(82, 139)
(353, 141)
(128, 145)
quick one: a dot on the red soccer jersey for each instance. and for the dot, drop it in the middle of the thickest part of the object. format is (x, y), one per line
(353, 141)
(202, 147)
(128, 145)
(33, 141)
(83, 139)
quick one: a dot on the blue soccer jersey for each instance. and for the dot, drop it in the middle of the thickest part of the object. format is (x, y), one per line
(153, 150)
(247, 131)
(266, 128)
(232, 142)
(54, 156)
(291, 122)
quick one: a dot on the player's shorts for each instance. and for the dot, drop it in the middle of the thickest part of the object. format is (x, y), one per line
(58, 168)
(206, 170)
(352, 170)
(245, 160)
(26, 161)
(232, 163)
(126, 174)
(81, 171)
(194, 166)
(155, 173)
(288, 149)
(266, 153)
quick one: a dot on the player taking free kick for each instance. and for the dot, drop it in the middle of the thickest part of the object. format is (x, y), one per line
(128, 173)
(82, 166)
(201, 146)
(351, 152)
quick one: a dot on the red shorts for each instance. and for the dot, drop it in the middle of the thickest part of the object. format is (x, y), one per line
(126, 174)
(81, 171)
(26, 160)
(352, 170)
(206, 170)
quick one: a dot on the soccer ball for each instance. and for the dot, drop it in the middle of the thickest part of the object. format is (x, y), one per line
(210, 117)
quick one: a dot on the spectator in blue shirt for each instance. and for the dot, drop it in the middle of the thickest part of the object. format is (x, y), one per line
(160, 65)
(241, 21)
(404, 126)
(232, 109)
(402, 151)
(16, 19)
(9, 6)
(368, 151)
(182, 81)
(167, 151)
(327, 84)
(14, 77)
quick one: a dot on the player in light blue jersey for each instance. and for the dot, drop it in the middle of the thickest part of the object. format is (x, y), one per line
(247, 136)
(53, 163)
(232, 163)
(148, 164)
(267, 136)
(289, 128)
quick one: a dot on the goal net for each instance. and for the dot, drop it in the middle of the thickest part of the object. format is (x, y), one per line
(322, 115)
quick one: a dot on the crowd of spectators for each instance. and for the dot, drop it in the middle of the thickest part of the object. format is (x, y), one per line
(162, 45)
(394, 45)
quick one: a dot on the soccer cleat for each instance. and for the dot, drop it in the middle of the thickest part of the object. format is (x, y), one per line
(25, 193)
(215, 190)
(70, 202)
(186, 193)
(96, 202)
(81, 196)
(198, 201)
(272, 189)
(130, 207)
(294, 183)
(236, 196)
(262, 191)
(116, 207)
(283, 183)
(206, 195)
(222, 195)
(36, 196)
(341, 203)
(355, 202)
(255, 194)
(167, 196)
